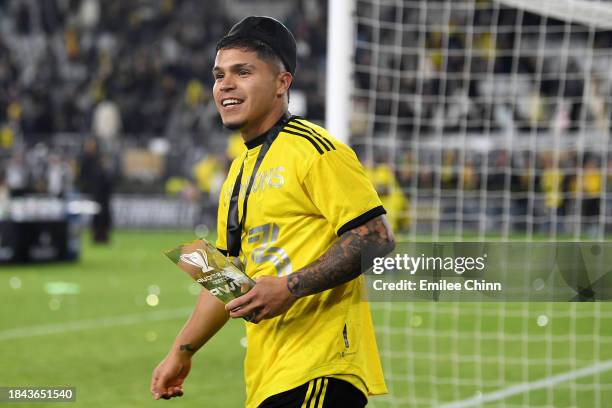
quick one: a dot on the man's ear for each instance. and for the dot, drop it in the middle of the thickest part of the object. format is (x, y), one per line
(283, 82)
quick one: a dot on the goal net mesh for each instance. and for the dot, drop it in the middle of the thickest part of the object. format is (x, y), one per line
(478, 120)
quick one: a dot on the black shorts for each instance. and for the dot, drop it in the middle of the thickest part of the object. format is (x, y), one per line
(324, 392)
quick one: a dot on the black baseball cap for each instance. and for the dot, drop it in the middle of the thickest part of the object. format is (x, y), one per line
(269, 31)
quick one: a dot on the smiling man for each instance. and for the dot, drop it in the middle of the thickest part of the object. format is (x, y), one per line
(298, 210)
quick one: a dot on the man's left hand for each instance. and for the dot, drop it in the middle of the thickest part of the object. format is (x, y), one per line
(269, 298)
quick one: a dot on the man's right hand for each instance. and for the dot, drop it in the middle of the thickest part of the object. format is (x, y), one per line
(168, 377)
(207, 318)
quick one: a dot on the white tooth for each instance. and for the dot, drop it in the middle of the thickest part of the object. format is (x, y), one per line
(230, 102)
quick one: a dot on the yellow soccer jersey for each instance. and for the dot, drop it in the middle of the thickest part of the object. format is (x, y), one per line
(309, 189)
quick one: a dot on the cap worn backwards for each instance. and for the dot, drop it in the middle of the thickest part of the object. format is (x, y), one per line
(269, 31)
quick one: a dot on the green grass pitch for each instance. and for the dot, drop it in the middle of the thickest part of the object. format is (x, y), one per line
(89, 325)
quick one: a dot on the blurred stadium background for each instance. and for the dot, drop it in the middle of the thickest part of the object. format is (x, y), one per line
(476, 120)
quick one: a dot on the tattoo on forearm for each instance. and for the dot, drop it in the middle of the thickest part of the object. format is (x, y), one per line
(188, 348)
(342, 262)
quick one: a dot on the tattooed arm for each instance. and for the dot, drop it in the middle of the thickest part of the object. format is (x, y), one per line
(341, 263)
(207, 318)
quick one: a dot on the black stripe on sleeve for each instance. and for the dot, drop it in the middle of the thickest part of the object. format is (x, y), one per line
(223, 251)
(305, 137)
(362, 219)
(314, 132)
(298, 129)
(323, 141)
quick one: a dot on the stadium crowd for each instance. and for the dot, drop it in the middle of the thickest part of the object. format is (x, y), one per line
(453, 186)
(132, 67)
(125, 73)
(130, 72)
(450, 67)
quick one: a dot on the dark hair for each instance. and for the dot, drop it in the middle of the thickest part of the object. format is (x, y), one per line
(263, 50)
(269, 31)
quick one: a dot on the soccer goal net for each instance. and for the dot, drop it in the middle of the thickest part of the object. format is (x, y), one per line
(488, 119)
(493, 116)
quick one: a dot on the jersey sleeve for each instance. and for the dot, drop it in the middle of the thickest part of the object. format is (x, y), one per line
(338, 186)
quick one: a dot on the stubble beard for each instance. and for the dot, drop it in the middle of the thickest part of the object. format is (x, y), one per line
(234, 126)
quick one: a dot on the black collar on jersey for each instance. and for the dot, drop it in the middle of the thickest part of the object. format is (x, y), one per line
(258, 141)
(234, 225)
